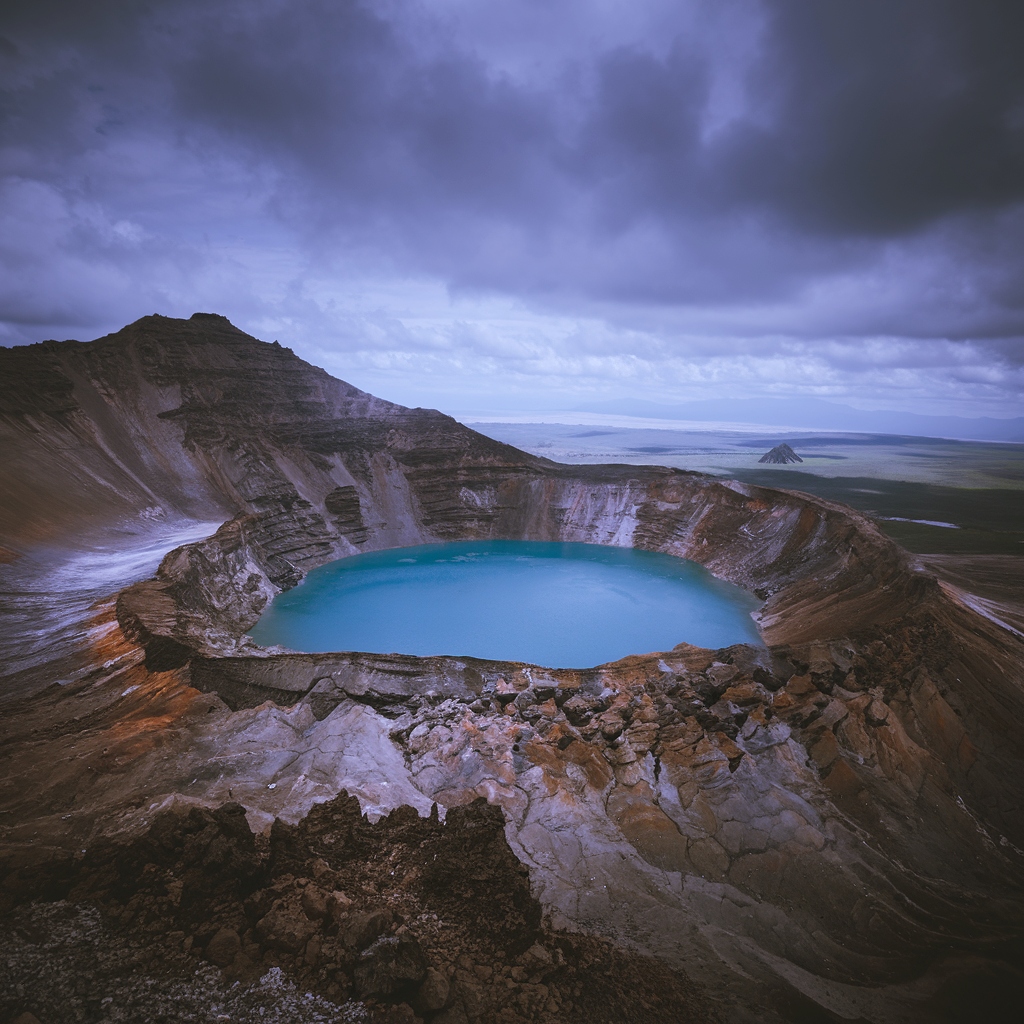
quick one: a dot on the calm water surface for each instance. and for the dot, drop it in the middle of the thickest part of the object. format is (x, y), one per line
(559, 605)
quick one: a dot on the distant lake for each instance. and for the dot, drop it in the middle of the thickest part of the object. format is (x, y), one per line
(551, 604)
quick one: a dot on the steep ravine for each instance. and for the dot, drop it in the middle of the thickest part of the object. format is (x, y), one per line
(826, 828)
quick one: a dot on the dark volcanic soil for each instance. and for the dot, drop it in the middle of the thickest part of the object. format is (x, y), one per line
(402, 920)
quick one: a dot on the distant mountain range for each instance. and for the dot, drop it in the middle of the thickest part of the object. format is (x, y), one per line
(817, 414)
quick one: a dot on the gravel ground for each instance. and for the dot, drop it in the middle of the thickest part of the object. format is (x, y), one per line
(65, 966)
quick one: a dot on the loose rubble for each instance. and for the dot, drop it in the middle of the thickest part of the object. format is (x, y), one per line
(335, 919)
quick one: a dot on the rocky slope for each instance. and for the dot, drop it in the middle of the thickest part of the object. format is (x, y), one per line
(827, 828)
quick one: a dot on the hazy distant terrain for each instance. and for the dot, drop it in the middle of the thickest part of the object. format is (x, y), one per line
(807, 413)
(976, 487)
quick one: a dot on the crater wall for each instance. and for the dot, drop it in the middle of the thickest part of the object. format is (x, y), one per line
(831, 821)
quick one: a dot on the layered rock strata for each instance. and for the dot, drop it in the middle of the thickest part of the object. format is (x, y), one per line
(830, 824)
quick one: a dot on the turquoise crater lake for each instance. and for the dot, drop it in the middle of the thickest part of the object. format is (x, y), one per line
(551, 604)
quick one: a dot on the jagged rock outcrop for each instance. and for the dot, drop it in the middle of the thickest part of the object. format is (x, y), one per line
(830, 825)
(780, 455)
(318, 901)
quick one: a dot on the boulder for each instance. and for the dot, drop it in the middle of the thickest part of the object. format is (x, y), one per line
(392, 969)
(285, 928)
(362, 929)
(338, 906)
(224, 947)
(314, 903)
(433, 992)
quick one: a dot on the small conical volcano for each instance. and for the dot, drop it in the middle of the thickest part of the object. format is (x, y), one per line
(780, 455)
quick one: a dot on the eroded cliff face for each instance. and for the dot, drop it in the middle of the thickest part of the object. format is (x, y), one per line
(827, 825)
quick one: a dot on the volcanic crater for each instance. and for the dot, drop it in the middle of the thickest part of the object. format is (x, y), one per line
(825, 827)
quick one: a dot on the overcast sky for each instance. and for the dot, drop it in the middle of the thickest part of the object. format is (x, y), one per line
(534, 203)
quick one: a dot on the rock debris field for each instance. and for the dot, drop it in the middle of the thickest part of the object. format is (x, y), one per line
(194, 922)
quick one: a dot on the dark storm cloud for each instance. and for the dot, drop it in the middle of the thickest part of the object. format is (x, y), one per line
(742, 170)
(891, 114)
(343, 97)
(864, 116)
(881, 116)
(861, 120)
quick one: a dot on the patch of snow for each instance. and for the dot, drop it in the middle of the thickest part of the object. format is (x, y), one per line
(922, 522)
(49, 596)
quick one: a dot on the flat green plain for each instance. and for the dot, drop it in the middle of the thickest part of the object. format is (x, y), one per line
(982, 521)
